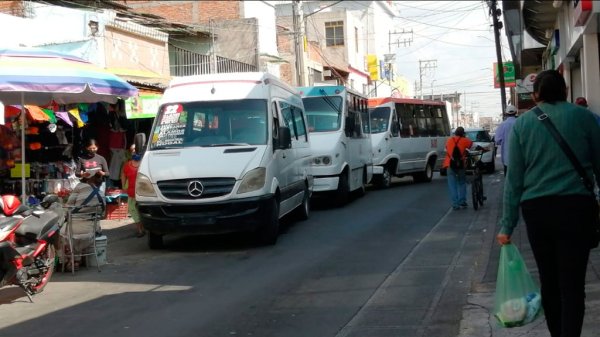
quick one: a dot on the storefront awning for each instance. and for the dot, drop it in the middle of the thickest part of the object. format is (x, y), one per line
(142, 77)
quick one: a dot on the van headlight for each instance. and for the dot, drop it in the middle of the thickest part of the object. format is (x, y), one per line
(253, 180)
(143, 186)
(321, 161)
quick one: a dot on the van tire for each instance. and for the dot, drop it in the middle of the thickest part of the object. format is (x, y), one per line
(491, 167)
(426, 175)
(385, 179)
(267, 233)
(155, 241)
(343, 191)
(303, 210)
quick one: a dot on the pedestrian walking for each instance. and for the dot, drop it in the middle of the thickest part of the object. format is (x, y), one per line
(503, 133)
(455, 165)
(557, 207)
(128, 177)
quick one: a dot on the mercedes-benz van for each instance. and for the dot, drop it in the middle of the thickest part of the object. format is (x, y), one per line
(226, 153)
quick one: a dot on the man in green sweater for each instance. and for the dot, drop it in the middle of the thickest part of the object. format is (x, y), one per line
(557, 208)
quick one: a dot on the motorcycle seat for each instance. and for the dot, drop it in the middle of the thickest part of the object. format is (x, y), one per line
(33, 227)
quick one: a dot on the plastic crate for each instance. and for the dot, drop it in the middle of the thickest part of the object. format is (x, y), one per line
(116, 211)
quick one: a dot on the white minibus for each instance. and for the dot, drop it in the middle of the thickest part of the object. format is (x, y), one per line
(341, 150)
(408, 137)
(227, 152)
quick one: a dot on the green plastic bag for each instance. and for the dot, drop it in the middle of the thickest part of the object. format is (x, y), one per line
(517, 300)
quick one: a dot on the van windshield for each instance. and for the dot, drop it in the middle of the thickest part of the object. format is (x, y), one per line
(323, 113)
(380, 119)
(214, 123)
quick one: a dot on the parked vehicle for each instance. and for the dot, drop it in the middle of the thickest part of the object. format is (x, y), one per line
(27, 242)
(341, 150)
(227, 153)
(482, 138)
(408, 138)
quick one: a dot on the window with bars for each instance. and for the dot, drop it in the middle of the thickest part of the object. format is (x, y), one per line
(334, 33)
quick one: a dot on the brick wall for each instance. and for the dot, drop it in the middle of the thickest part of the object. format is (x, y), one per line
(220, 10)
(189, 11)
(176, 11)
(12, 8)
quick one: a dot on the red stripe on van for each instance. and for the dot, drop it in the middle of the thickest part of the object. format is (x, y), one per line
(218, 81)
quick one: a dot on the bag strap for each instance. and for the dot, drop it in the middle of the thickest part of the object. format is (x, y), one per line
(543, 117)
(449, 154)
(95, 193)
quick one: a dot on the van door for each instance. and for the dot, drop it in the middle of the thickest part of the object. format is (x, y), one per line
(282, 158)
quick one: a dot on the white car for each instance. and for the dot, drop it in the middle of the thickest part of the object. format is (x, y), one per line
(481, 137)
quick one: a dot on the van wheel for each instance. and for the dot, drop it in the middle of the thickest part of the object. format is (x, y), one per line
(267, 233)
(155, 241)
(303, 211)
(343, 191)
(426, 175)
(385, 179)
(491, 167)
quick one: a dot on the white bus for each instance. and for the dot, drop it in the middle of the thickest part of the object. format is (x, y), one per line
(341, 150)
(408, 138)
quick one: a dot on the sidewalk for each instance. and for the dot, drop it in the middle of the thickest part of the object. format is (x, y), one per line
(477, 318)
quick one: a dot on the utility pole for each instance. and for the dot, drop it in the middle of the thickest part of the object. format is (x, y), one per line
(390, 58)
(495, 13)
(298, 45)
(423, 66)
(214, 50)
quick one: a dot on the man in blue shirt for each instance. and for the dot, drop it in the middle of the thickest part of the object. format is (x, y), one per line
(503, 132)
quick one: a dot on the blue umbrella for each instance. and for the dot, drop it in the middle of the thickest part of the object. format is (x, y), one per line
(38, 76)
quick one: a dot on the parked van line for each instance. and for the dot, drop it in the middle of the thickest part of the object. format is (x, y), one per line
(408, 138)
(222, 157)
(341, 150)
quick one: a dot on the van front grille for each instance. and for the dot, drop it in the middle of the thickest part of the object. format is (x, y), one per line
(211, 188)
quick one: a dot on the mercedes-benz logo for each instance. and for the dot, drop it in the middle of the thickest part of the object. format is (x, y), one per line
(195, 188)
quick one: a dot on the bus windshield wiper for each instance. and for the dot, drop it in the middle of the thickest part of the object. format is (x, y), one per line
(328, 100)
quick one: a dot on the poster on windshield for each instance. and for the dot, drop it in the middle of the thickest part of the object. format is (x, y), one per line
(171, 128)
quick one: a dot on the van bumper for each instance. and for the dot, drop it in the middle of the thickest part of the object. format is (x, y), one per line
(236, 215)
(326, 183)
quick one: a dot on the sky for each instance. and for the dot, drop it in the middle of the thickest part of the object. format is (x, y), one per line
(460, 37)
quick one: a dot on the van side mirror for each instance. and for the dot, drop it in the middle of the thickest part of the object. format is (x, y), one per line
(285, 138)
(140, 142)
(350, 126)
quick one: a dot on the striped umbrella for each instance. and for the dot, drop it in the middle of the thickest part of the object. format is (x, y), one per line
(38, 76)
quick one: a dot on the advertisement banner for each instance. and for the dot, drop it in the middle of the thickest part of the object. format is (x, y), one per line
(509, 75)
(142, 106)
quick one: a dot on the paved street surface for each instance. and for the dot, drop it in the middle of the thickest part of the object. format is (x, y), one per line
(396, 262)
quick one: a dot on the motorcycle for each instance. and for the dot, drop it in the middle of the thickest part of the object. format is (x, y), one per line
(28, 240)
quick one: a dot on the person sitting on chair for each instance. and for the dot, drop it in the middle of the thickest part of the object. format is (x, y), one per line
(84, 199)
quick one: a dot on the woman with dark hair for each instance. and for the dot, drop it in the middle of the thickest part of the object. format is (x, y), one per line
(91, 162)
(557, 207)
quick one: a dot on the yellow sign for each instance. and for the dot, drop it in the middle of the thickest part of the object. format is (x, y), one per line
(15, 172)
(373, 67)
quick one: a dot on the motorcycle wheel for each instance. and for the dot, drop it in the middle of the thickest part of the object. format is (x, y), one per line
(46, 258)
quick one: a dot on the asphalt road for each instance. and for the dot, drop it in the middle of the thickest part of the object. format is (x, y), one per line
(319, 280)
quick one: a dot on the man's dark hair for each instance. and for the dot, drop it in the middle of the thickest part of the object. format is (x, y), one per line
(460, 131)
(550, 86)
